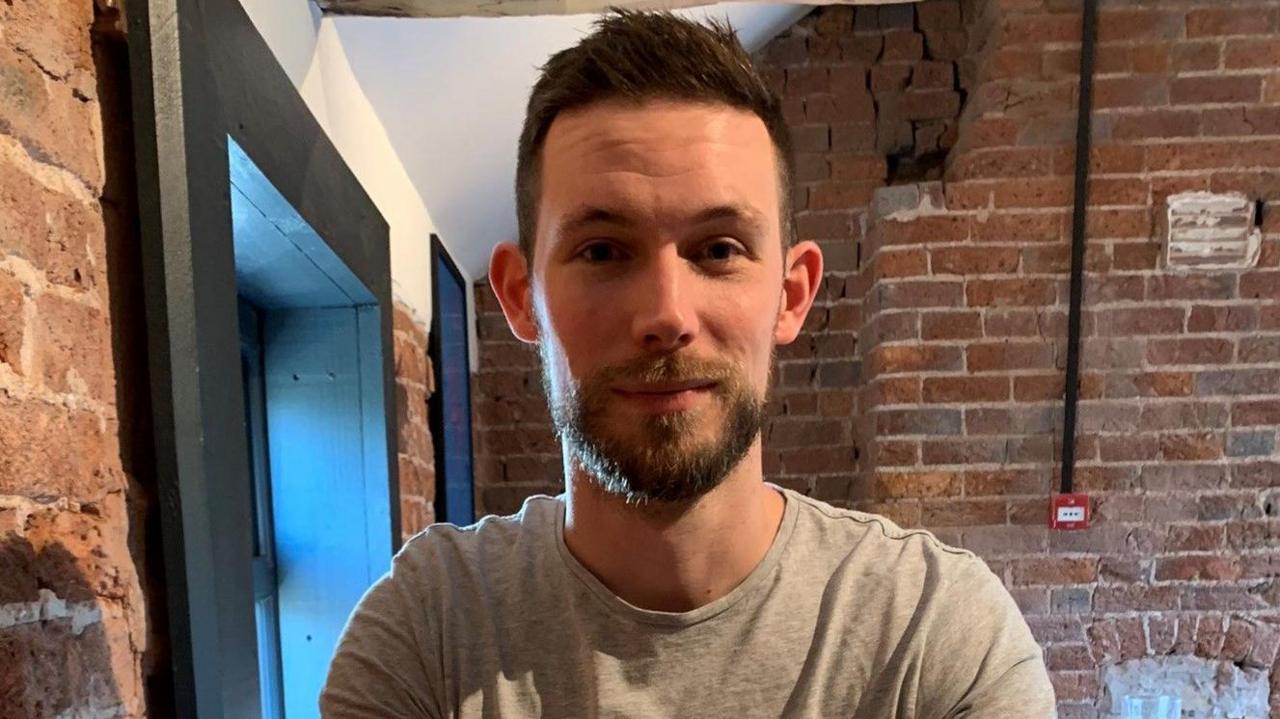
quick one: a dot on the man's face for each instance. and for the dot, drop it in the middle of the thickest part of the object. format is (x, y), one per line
(657, 285)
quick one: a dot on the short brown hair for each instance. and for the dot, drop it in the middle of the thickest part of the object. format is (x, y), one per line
(640, 56)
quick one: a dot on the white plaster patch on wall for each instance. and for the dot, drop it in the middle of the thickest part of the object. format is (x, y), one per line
(1210, 689)
(1209, 230)
(50, 607)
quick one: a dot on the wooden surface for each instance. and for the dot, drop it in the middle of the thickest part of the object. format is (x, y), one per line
(499, 8)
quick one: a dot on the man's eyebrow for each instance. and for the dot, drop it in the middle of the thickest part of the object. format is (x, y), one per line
(603, 215)
(594, 216)
(730, 212)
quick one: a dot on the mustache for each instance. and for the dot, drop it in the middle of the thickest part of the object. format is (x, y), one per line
(667, 368)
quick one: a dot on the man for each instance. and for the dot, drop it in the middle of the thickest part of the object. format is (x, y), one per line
(656, 272)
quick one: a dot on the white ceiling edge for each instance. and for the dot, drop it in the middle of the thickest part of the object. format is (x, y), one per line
(511, 8)
(451, 95)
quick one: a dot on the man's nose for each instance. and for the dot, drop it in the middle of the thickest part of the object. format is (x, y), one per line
(665, 318)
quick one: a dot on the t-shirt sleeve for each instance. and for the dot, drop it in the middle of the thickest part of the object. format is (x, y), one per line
(985, 660)
(386, 663)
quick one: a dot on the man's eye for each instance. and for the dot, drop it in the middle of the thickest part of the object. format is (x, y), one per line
(721, 250)
(600, 252)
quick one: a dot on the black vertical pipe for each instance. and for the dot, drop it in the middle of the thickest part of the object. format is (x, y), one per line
(1088, 35)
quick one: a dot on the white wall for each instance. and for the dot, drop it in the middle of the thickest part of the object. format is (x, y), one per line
(312, 53)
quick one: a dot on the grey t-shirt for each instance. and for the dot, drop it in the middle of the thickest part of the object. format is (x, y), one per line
(848, 615)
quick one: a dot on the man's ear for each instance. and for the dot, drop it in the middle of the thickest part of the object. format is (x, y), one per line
(509, 278)
(800, 282)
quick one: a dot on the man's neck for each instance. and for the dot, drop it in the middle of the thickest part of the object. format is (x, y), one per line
(674, 559)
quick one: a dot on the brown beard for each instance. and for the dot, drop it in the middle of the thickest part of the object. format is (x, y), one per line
(659, 465)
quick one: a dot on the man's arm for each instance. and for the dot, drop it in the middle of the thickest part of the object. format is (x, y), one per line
(984, 655)
(386, 663)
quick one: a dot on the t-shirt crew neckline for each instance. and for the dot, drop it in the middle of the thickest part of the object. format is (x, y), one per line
(747, 588)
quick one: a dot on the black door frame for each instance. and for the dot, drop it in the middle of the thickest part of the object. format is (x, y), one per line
(200, 73)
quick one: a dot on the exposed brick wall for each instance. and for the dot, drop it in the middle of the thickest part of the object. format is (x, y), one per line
(73, 630)
(928, 384)
(414, 386)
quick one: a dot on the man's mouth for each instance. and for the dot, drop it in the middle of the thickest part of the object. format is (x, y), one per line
(659, 388)
(663, 397)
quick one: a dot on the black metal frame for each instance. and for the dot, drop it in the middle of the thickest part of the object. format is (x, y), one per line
(200, 73)
(435, 404)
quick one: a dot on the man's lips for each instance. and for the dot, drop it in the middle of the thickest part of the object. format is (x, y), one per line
(662, 388)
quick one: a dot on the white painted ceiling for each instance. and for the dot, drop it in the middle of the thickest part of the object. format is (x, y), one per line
(451, 94)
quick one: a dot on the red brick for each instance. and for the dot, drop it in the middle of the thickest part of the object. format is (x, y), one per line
(991, 132)
(1134, 256)
(1154, 58)
(895, 453)
(1260, 285)
(853, 137)
(1130, 91)
(962, 451)
(890, 78)
(1259, 350)
(857, 168)
(1222, 318)
(1215, 89)
(930, 75)
(1253, 53)
(917, 484)
(965, 389)
(1038, 388)
(1042, 29)
(1153, 124)
(1191, 446)
(1208, 22)
(11, 321)
(864, 48)
(1018, 227)
(841, 195)
(1182, 415)
(892, 359)
(1138, 24)
(923, 229)
(902, 46)
(1145, 321)
(1135, 598)
(945, 325)
(938, 15)
(50, 118)
(968, 513)
(1010, 292)
(1053, 570)
(1002, 163)
(1256, 412)
(973, 260)
(1198, 567)
(1190, 351)
(928, 104)
(1005, 482)
(1118, 223)
(36, 457)
(895, 390)
(73, 338)
(1192, 56)
(989, 356)
(946, 44)
(910, 262)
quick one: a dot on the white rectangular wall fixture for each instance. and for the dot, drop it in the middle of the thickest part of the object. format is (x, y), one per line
(1208, 230)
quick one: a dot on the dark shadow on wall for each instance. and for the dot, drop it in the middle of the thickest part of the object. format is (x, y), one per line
(126, 298)
(54, 657)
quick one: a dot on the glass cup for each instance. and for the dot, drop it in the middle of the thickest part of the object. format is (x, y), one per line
(1148, 706)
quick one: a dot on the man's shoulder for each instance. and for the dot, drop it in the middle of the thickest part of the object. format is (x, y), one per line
(880, 545)
(484, 546)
